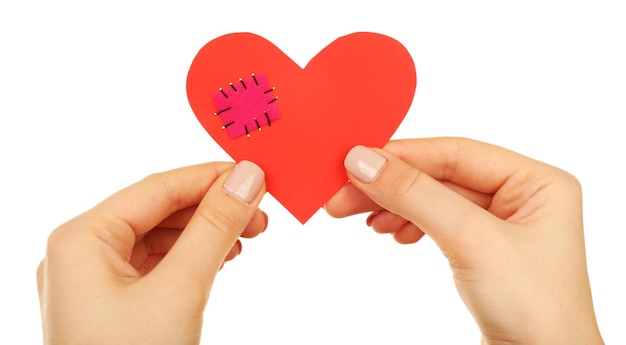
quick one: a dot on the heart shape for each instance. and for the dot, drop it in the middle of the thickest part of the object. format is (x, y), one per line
(357, 90)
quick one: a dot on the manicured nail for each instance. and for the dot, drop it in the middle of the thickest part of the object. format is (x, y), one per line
(244, 181)
(365, 164)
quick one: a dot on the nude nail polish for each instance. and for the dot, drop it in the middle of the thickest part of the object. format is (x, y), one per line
(364, 164)
(244, 182)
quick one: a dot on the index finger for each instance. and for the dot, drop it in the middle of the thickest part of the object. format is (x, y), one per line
(140, 207)
(473, 169)
(471, 164)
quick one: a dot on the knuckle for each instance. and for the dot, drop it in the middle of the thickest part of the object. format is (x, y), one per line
(58, 244)
(223, 220)
(164, 181)
(408, 181)
(40, 270)
(571, 184)
(57, 238)
(451, 162)
(572, 181)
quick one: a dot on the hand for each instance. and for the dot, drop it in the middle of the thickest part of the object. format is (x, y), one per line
(138, 268)
(511, 228)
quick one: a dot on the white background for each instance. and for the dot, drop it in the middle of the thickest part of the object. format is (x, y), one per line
(92, 98)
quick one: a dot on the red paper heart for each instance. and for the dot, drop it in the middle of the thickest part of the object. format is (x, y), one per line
(357, 90)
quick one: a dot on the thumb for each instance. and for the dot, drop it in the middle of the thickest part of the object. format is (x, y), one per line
(219, 220)
(414, 195)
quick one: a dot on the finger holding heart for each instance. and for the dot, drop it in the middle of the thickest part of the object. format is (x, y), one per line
(357, 90)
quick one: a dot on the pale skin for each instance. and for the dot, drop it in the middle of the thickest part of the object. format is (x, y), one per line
(106, 278)
(511, 228)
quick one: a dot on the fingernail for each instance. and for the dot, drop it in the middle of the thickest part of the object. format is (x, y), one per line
(244, 182)
(364, 163)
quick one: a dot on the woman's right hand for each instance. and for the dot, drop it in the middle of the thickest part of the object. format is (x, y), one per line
(138, 268)
(511, 228)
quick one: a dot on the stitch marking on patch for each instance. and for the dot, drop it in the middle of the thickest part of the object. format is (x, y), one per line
(246, 105)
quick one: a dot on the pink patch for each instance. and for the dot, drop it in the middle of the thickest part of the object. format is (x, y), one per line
(246, 105)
